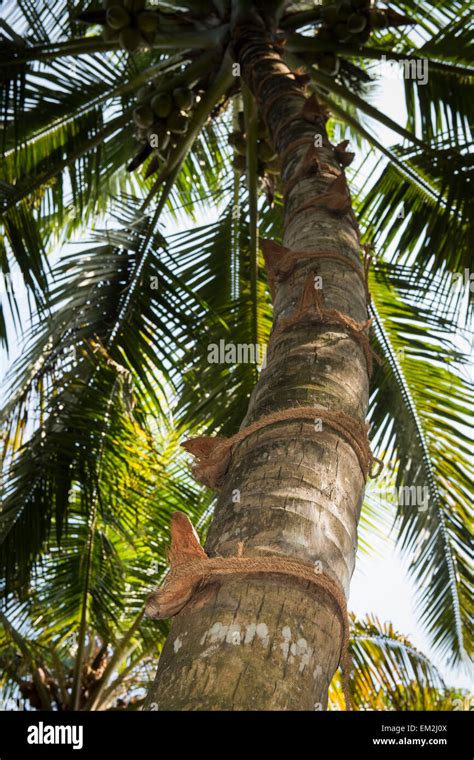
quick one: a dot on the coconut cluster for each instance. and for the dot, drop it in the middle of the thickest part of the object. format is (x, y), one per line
(347, 22)
(268, 161)
(127, 22)
(161, 118)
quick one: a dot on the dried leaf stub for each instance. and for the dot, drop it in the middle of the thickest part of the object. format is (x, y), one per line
(311, 161)
(280, 262)
(301, 76)
(276, 261)
(213, 458)
(185, 543)
(344, 156)
(337, 197)
(186, 557)
(170, 598)
(212, 474)
(312, 301)
(203, 446)
(314, 111)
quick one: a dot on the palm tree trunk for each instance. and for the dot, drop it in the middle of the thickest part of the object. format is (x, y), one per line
(293, 488)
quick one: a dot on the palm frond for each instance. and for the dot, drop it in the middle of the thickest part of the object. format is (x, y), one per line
(389, 673)
(85, 358)
(91, 586)
(434, 232)
(423, 430)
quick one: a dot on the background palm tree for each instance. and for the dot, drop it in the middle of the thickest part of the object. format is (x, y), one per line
(116, 369)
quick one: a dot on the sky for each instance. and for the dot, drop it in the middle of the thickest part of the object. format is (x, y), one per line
(380, 584)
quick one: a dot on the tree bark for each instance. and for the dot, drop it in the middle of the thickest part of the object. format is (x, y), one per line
(264, 643)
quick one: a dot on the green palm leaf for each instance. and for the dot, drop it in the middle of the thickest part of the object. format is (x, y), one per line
(430, 444)
(389, 673)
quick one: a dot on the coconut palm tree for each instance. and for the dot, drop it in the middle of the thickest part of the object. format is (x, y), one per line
(124, 115)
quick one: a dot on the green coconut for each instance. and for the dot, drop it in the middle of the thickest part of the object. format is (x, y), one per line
(265, 151)
(145, 93)
(273, 167)
(356, 23)
(143, 116)
(361, 4)
(363, 36)
(110, 3)
(164, 141)
(117, 17)
(141, 135)
(184, 98)
(162, 104)
(130, 39)
(344, 10)
(239, 163)
(149, 38)
(110, 35)
(329, 64)
(147, 22)
(342, 32)
(177, 123)
(158, 136)
(240, 144)
(235, 137)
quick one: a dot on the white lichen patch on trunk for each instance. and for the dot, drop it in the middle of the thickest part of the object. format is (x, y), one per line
(234, 634)
(296, 650)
